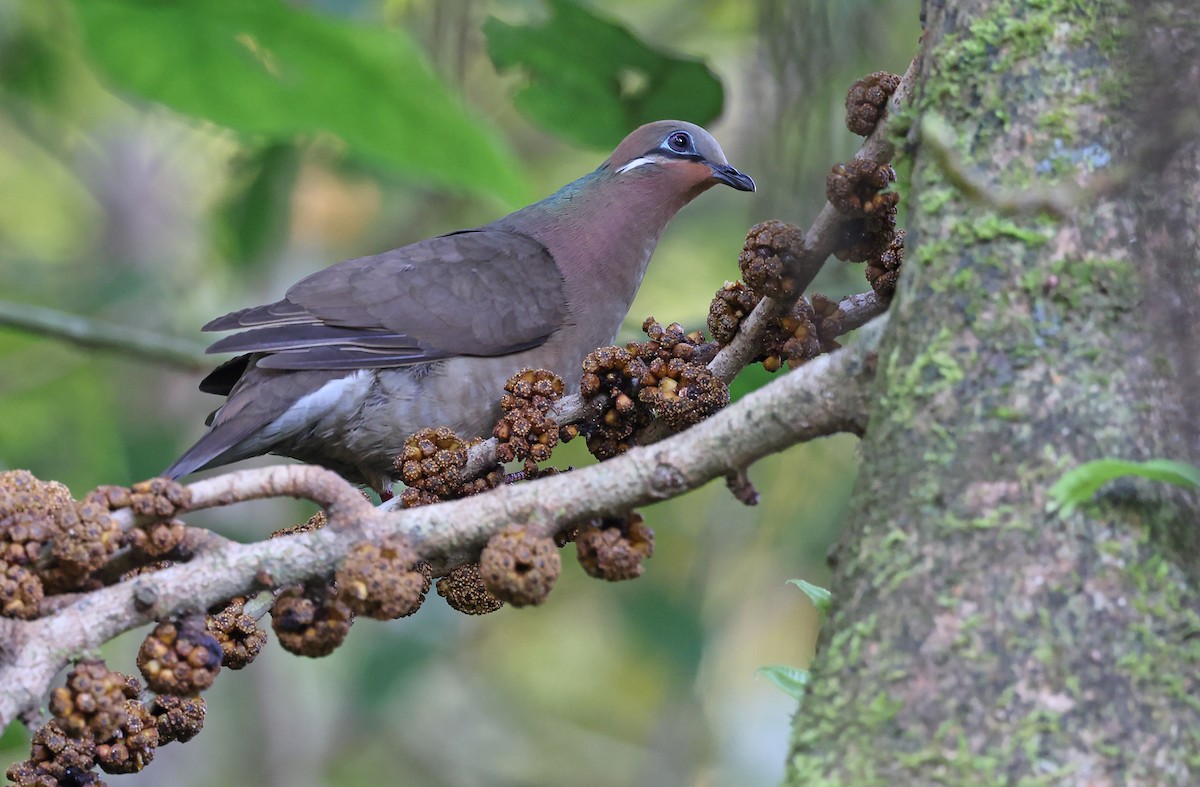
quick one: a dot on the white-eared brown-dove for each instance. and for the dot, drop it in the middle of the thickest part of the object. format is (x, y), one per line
(358, 356)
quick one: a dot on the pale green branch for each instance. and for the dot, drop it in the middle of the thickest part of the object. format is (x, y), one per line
(118, 339)
(1057, 199)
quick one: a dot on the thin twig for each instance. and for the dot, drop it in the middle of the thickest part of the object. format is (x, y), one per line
(93, 334)
(859, 309)
(938, 139)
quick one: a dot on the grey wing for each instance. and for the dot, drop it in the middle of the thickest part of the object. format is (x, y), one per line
(476, 292)
(237, 426)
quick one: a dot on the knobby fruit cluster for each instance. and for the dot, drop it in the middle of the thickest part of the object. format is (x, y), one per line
(54, 548)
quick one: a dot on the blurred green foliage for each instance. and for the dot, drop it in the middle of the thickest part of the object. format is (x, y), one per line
(254, 210)
(157, 169)
(272, 71)
(592, 80)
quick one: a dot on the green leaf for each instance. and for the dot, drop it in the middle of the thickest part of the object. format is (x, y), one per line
(33, 66)
(592, 81)
(274, 73)
(1080, 484)
(819, 596)
(792, 681)
(257, 211)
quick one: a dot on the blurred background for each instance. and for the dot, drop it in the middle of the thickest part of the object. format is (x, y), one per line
(163, 162)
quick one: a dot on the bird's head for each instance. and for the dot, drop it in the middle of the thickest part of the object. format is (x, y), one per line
(682, 156)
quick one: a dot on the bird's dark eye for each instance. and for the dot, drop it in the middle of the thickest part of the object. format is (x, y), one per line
(680, 142)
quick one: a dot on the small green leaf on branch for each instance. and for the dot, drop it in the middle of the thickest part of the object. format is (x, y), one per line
(1081, 483)
(792, 681)
(819, 596)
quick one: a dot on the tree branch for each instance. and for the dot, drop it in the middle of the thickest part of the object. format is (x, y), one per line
(822, 237)
(97, 335)
(828, 395)
(859, 309)
(938, 139)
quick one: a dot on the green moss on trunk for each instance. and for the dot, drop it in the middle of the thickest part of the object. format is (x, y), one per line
(975, 637)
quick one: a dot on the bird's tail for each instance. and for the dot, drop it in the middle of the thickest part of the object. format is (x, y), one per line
(218, 447)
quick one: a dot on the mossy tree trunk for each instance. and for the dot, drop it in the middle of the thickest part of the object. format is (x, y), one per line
(975, 636)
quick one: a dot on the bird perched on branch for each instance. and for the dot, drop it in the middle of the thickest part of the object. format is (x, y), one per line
(358, 356)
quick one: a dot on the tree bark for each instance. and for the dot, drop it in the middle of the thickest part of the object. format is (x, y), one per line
(975, 635)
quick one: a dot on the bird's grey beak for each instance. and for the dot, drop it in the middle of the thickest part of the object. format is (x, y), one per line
(731, 177)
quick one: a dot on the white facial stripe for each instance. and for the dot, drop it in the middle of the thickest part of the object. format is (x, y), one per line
(637, 162)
